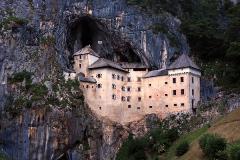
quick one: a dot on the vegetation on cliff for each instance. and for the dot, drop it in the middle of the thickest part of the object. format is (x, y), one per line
(219, 139)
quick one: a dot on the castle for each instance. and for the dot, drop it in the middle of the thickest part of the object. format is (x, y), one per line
(125, 92)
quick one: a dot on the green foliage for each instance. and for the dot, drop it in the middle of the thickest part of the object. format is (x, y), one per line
(38, 91)
(20, 77)
(234, 151)
(48, 40)
(5, 23)
(72, 84)
(182, 148)
(156, 141)
(212, 145)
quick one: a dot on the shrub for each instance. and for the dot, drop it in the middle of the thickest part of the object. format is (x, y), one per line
(211, 145)
(20, 76)
(182, 148)
(234, 152)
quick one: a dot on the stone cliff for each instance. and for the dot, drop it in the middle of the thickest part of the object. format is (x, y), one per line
(40, 36)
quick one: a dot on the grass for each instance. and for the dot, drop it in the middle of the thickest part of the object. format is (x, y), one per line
(227, 127)
(190, 137)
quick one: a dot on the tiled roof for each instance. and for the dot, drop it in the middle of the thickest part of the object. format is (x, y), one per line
(86, 50)
(127, 65)
(183, 61)
(87, 79)
(156, 73)
(104, 63)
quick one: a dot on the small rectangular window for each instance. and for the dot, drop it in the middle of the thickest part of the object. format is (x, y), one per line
(123, 98)
(166, 82)
(99, 86)
(87, 86)
(100, 108)
(122, 78)
(150, 97)
(118, 77)
(174, 92)
(139, 79)
(129, 79)
(174, 80)
(150, 106)
(149, 85)
(175, 104)
(80, 56)
(139, 89)
(99, 75)
(129, 106)
(182, 91)
(166, 95)
(114, 97)
(114, 86)
(182, 79)
(139, 99)
(166, 105)
(128, 89)
(192, 79)
(138, 108)
(123, 88)
(128, 98)
(80, 65)
(182, 104)
(113, 76)
(193, 92)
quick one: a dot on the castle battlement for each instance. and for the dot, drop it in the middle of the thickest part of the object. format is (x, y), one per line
(125, 92)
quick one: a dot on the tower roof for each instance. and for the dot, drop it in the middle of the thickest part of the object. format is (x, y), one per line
(183, 61)
(86, 50)
(105, 63)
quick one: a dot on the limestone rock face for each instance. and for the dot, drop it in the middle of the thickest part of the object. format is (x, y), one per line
(40, 36)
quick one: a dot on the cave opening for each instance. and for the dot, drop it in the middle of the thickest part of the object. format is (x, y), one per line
(82, 32)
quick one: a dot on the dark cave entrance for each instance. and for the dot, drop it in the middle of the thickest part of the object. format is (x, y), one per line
(82, 32)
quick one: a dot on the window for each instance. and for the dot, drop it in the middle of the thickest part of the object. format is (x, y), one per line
(139, 89)
(174, 92)
(123, 88)
(166, 105)
(182, 91)
(139, 99)
(87, 86)
(123, 98)
(193, 92)
(114, 97)
(122, 78)
(166, 82)
(175, 104)
(138, 108)
(174, 80)
(192, 79)
(139, 79)
(80, 65)
(99, 86)
(128, 98)
(150, 97)
(150, 106)
(99, 75)
(128, 89)
(129, 106)
(118, 77)
(182, 104)
(149, 85)
(80, 56)
(113, 76)
(114, 86)
(100, 108)
(182, 79)
(129, 79)
(166, 95)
